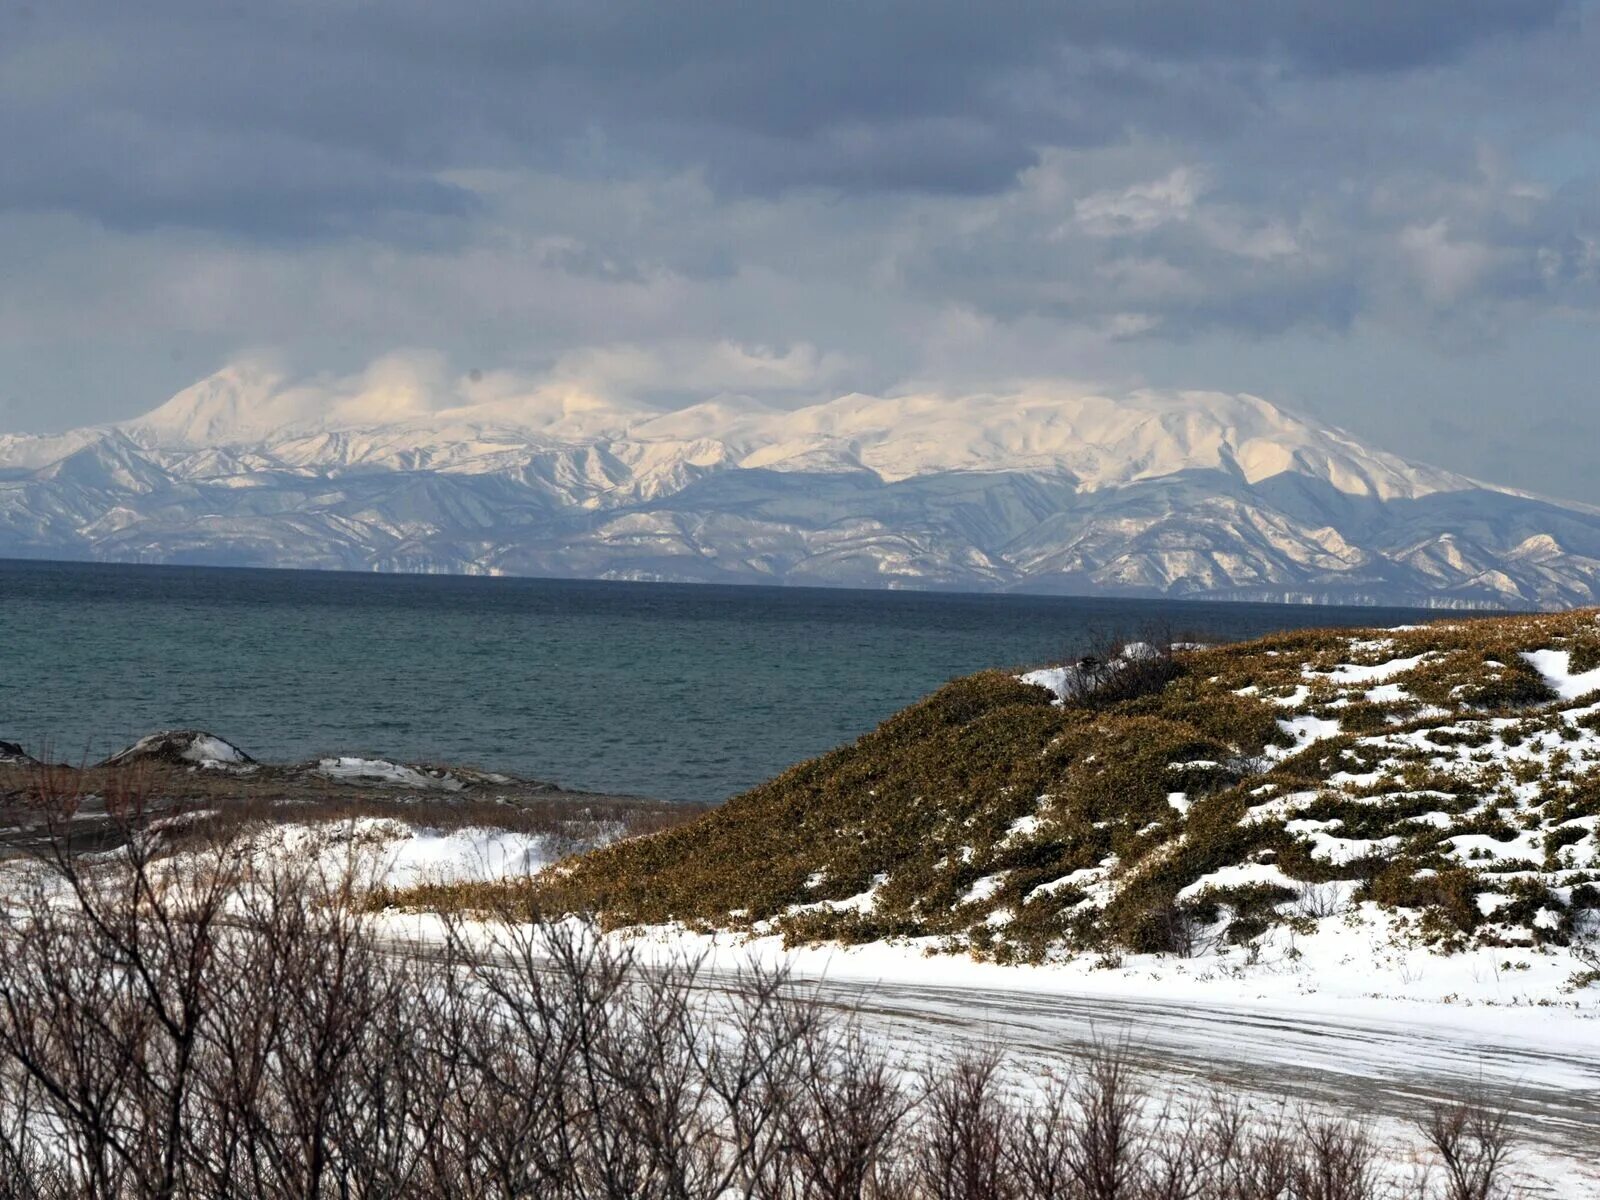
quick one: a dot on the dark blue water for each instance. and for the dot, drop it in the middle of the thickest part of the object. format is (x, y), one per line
(678, 691)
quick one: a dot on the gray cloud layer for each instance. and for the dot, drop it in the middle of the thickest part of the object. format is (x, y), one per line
(1338, 204)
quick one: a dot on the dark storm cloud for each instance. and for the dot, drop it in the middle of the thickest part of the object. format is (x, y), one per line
(133, 175)
(282, 119)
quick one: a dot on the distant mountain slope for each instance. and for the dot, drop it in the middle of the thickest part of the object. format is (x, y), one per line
(1156, 494)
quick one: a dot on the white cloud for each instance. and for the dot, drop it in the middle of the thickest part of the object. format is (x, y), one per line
(1446, 267)
(698, 366)
(1142, 207)
(587, 391)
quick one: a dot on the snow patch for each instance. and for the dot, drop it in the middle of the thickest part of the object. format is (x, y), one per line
(1305, 731)
(388, 853)
(381, 770)
(1350, 673)
(984, 889)
(861, 902)
(1239, 875)
(1075, 681)
(1555, 666)
(1021, 830)
(1386, 693)
(208, 749)
(1092, 880)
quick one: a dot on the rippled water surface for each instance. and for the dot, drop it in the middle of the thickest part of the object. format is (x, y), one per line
(680, 691)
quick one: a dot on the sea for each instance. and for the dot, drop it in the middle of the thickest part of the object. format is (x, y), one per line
(674, 691)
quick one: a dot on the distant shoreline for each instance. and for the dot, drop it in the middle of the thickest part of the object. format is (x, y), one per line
(1291, 598)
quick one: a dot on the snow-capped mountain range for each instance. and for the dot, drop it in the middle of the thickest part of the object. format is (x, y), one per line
(1045, 489)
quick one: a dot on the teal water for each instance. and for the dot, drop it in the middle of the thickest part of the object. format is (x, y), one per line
(667, 690)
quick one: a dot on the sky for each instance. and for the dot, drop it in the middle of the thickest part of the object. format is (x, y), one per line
(1382, 216)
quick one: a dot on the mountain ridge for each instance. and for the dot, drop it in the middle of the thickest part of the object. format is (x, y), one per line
(1042, 489)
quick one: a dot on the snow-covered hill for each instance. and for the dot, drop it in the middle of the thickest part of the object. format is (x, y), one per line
(1043, 489)
(1319, 811)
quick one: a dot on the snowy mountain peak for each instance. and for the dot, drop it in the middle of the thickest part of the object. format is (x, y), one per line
(411, 416)
(252, 402)
(1049, 487)
(1098, 440)
(243, 402)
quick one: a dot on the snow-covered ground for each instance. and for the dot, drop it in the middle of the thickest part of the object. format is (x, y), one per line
(1353, 969)
(387, 852)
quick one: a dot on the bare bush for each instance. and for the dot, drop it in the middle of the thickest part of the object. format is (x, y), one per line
(842, 1126)
(1319, 900)
(961, 1142)
(1472, 1141)
(1108, 1137)
(1337, 1161)
(1041, 1144)
(1119, 666)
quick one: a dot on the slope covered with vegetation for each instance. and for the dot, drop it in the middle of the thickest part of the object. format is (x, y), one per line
(1447, 774)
